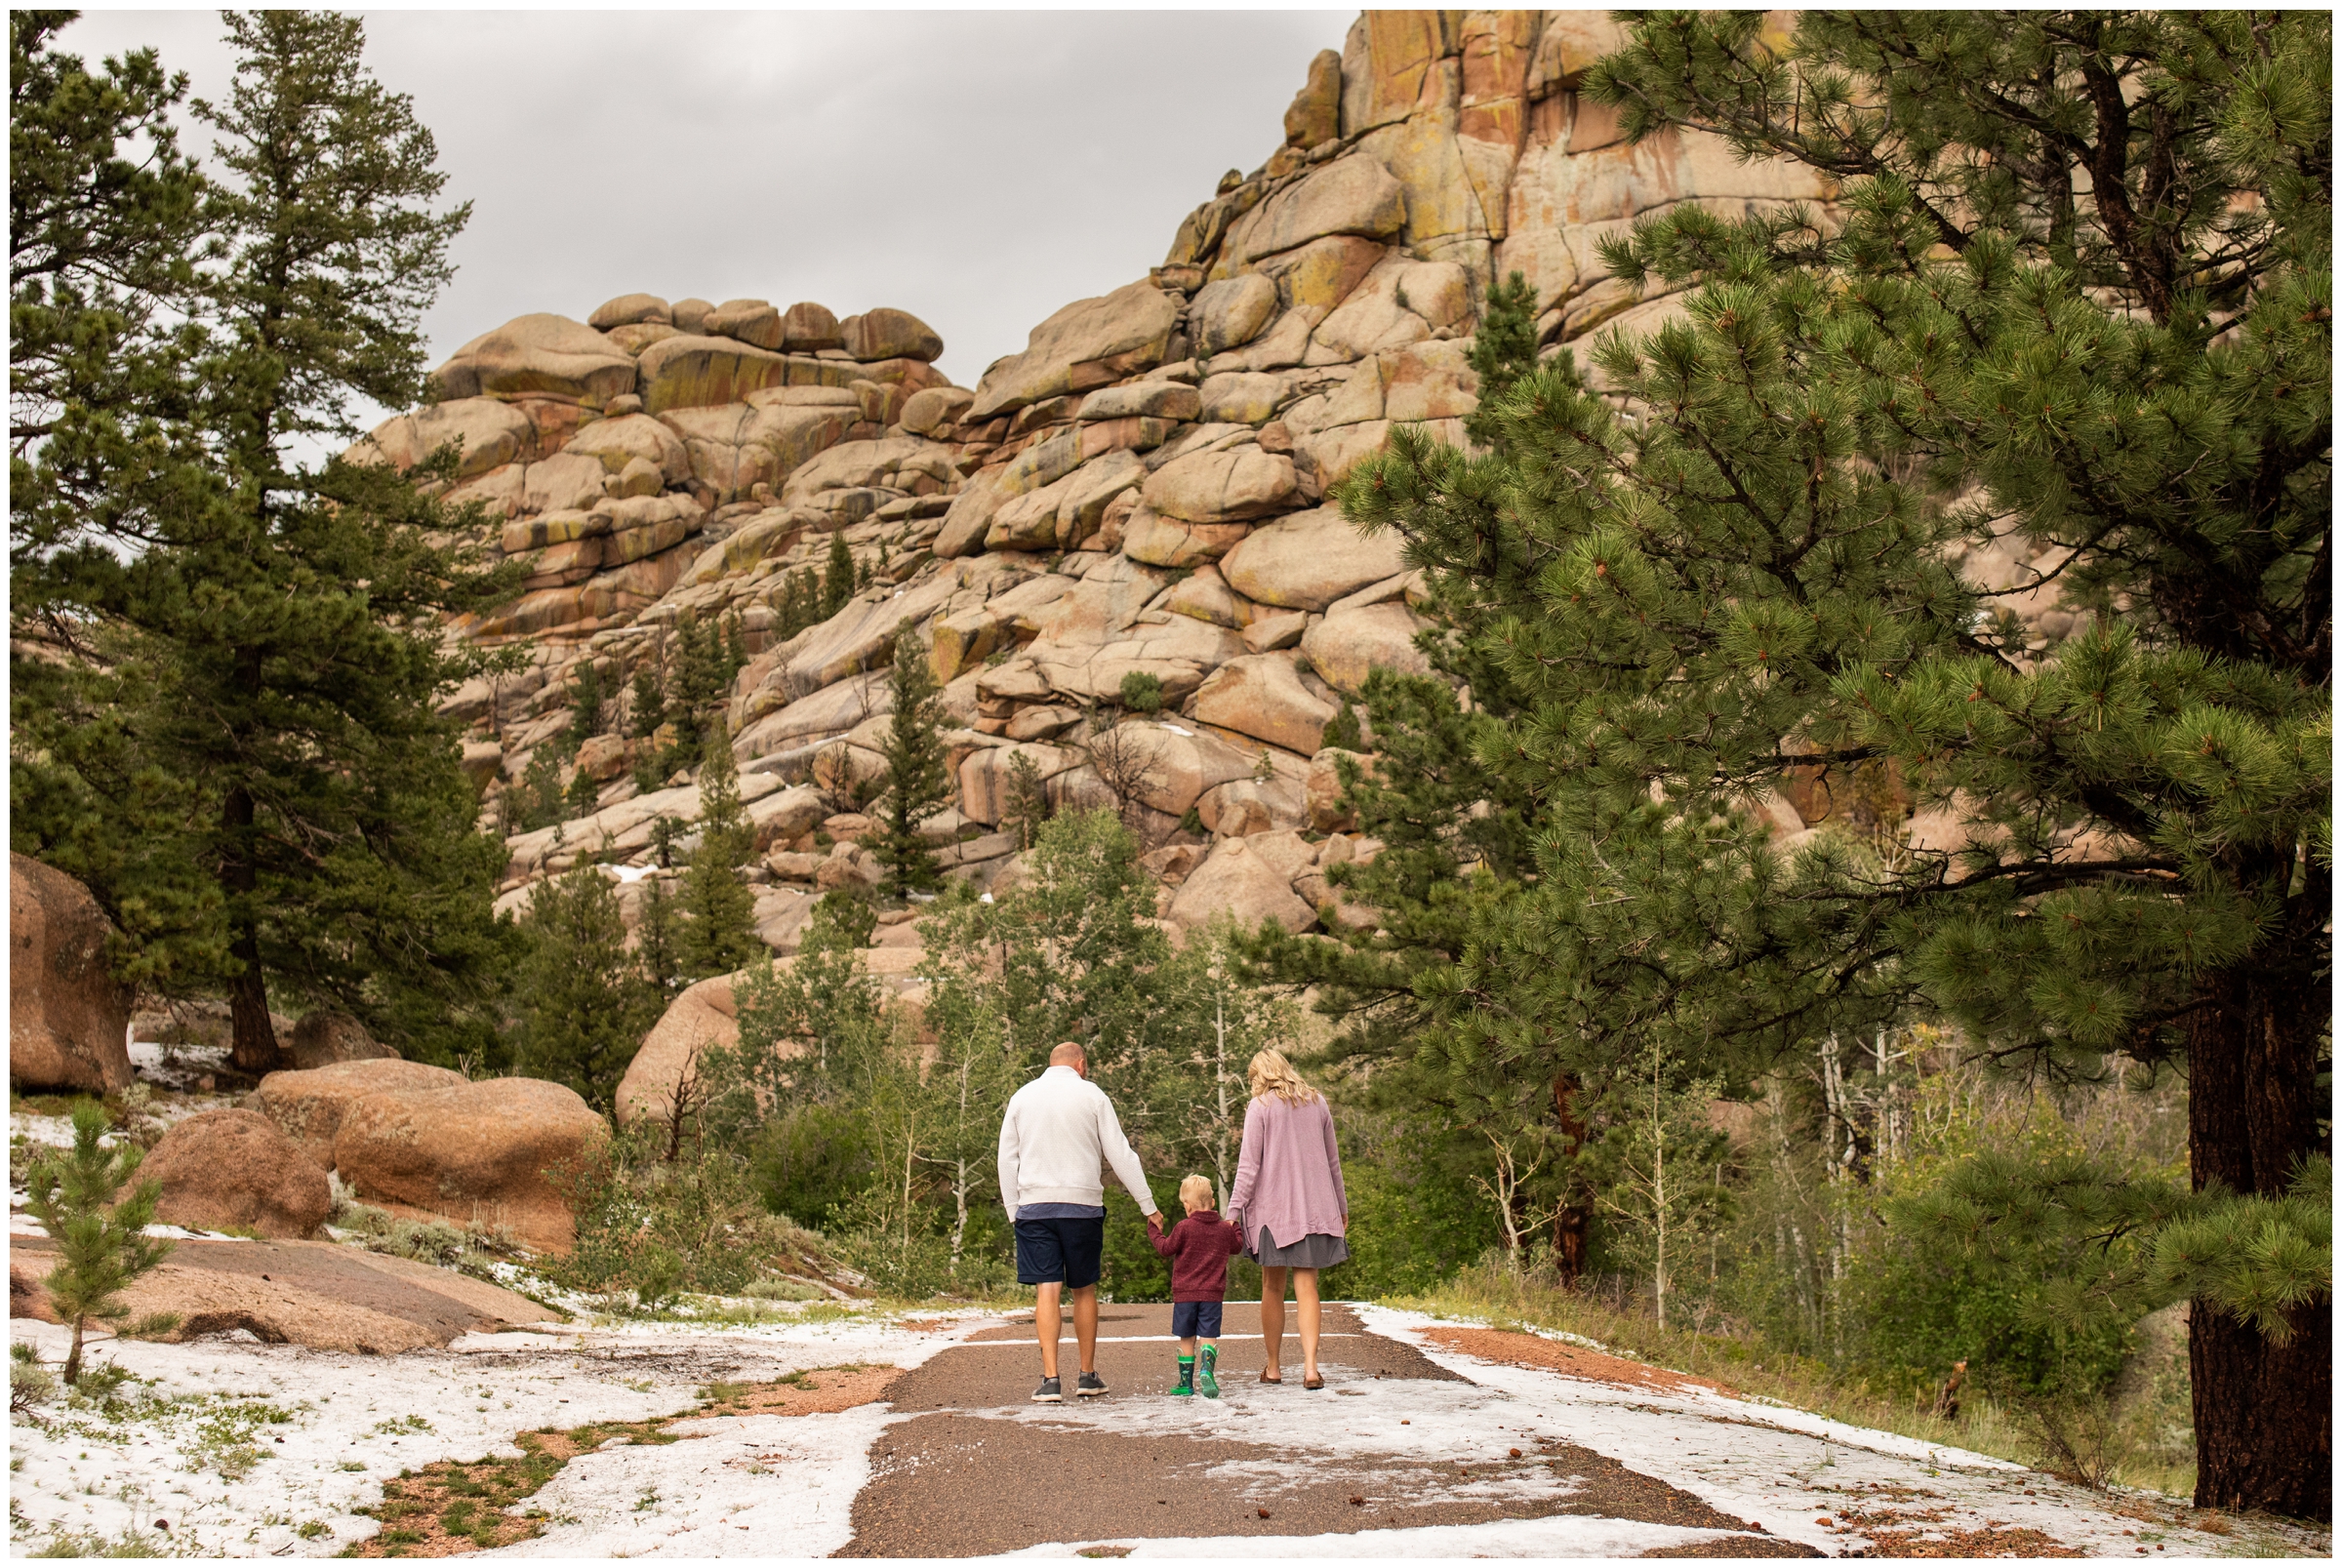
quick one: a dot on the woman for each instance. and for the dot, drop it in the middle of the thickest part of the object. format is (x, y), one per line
(1289, 1202)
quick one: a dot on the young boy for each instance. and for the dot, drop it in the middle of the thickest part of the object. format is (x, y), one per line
(1199, 1248)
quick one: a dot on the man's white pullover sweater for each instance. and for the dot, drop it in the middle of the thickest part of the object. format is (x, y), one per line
(1059, 1133)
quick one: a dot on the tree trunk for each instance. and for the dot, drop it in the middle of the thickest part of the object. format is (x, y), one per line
(1574, 1216)
(254, 1048)
(2264, 1412)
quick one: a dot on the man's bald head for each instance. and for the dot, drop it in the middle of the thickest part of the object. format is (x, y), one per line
(1068, 1055)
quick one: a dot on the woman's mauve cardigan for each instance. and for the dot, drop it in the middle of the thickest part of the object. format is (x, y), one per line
(1289, 1174)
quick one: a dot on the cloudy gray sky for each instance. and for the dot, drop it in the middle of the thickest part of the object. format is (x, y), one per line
(979, 169)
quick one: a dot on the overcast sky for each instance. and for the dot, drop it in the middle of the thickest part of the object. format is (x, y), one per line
(979, 169)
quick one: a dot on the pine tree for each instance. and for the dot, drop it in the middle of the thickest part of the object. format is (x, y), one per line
(646, 707)
(735, 650)
(699, 667)
(719, 934)
(582, 797)
(537, 800)
(1751, 576)
(104, 218)
(586, 1003)
(97, 1228)
(587, 705)
(658, 941)
(837, 580)
(1504, 350)
(289, 615)
(1025, 803)
(917, 783)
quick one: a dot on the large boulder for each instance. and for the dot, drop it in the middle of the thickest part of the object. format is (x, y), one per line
(1353, 195)
(487, 433)
(1345, 648)
(629, 310)
(1261, 695)
(889, 333)
(694, 371)
(751, 321)
(68, 1019)
(491, 1154)
(703, 1015)
(935, 410)
(807, 328)
(616, 443)
(1308, 560)
(307, 1106)
(1221, 487)
(324, 1038)
(544, 354)
(1089, 343)
(1238, 883)
(1231, 313)
(317, 1293)
(235, 1169)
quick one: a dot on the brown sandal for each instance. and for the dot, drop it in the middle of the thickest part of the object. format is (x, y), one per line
(1265, 1378)
(1312, 1383)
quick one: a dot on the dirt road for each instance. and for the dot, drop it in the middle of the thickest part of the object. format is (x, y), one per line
(1393, 1442)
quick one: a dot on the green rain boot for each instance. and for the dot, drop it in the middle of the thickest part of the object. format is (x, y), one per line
(1204, 1373)
(1184, 1387)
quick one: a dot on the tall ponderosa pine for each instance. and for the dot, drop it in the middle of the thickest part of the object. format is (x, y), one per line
(917, 784)
(1456, 838)
(2129, 846)
(105, 223)
(285, 619)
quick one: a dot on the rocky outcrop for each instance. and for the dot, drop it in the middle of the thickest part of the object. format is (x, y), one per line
(1139, 495)
(68, 1019)
(316, 1294)
(493, 1153)
(307, 1106)
(703, 1016)
(236, 1170)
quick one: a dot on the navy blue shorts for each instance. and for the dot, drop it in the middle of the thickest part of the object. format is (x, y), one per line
(1058, 1252)
(1196, 1320)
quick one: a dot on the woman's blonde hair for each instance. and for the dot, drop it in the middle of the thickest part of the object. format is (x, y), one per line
(1272, 1074)
(1195, 1192)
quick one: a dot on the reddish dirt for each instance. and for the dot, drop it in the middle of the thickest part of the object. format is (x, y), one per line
(1570, 1360)
(808, 1394)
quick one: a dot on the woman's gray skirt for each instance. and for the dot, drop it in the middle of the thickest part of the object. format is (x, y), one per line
(1317, 1250)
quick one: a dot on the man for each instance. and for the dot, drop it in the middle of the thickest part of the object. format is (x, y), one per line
(1059, 1130)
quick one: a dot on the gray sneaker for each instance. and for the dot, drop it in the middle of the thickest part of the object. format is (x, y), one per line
(1090, 1386)
(1049, 1392)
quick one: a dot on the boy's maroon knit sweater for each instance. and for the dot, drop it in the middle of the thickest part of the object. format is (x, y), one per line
(1199, 1247)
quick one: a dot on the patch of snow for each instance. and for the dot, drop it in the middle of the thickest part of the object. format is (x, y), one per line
(353, 1420)
(744, 1486)
(1785, 1469)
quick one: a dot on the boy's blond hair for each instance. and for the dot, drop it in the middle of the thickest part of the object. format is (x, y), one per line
(1195, 1192)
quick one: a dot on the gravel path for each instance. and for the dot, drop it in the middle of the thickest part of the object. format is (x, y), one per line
(1388, 1445)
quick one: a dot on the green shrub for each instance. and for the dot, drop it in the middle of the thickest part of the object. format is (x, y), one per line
(1141, 691)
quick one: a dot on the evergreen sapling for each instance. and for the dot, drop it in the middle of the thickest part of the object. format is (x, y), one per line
(100, 1243)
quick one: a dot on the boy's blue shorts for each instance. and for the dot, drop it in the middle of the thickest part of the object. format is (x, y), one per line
(1196, 1320)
